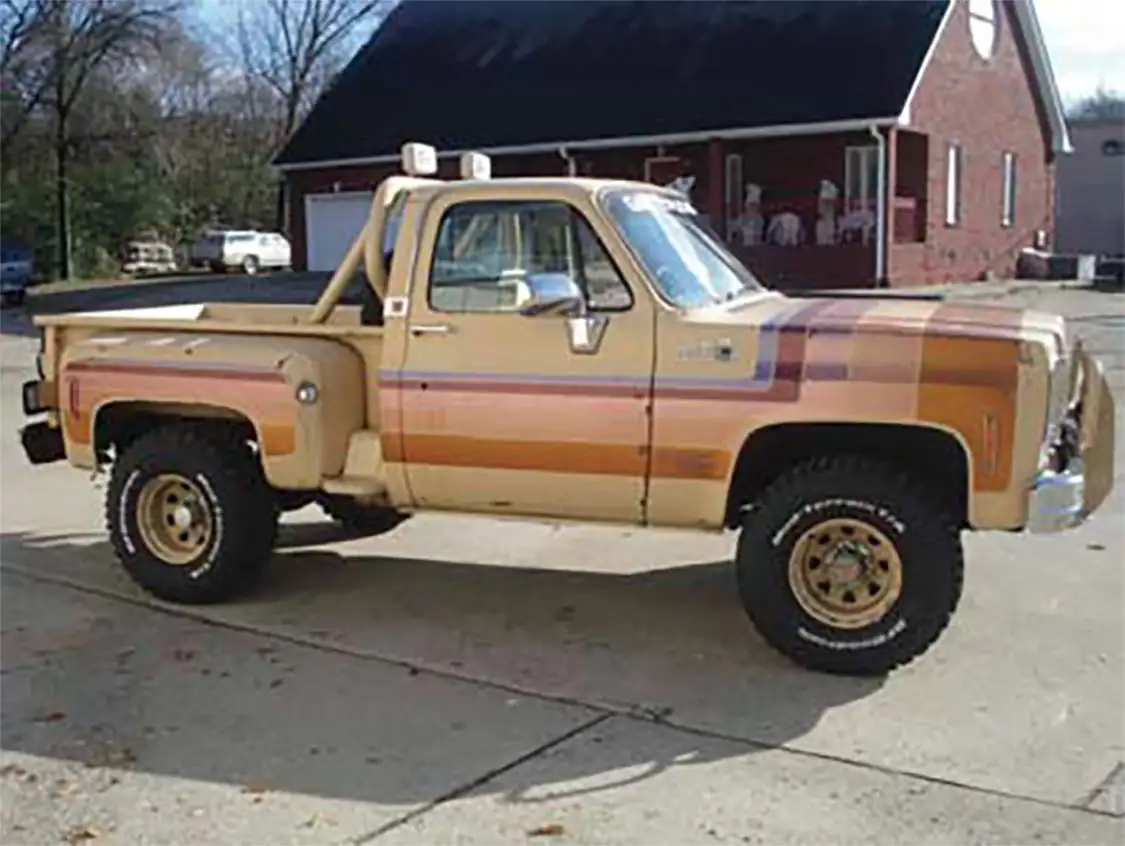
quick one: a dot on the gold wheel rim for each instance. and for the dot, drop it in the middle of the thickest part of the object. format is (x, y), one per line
(174, 518)
(845, 573)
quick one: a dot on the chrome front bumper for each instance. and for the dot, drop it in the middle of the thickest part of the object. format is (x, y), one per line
(1057, 500)
(1062, 498)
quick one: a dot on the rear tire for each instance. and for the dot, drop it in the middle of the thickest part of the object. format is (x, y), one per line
(847, 566)
(250, 265)
(190, 515)
(352, 514)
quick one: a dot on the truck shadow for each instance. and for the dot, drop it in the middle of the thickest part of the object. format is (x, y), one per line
(393, 680)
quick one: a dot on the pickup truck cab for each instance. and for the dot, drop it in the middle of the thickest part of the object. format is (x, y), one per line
(587, 350)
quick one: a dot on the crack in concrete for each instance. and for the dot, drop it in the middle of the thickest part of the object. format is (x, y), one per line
(469, 787)
(607, 710)
(1114, 781)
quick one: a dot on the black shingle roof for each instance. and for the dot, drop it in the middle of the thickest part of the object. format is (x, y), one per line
(487, 73)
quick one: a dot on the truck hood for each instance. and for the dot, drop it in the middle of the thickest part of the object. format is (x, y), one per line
(894, 315)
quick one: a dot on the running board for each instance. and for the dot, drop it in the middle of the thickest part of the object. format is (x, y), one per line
(358, 486)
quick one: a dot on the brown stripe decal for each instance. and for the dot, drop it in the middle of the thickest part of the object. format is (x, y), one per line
(262, 394)
(174, 369)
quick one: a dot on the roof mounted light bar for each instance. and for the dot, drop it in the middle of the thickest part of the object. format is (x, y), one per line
(419, 159)
(475, 166)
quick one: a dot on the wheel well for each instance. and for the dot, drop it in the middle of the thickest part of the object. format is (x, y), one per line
(119, 424)
(930, 456)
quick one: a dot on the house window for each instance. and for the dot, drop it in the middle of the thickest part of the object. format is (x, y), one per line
(1008, 212)
(861, 178)
(732, 191)
(982, 27)
(953, 164)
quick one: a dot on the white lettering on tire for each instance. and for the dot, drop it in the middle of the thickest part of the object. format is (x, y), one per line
(123, 512)
(820, 505)
(852, 645)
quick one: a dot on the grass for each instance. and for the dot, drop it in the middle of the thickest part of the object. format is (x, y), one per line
(70, 285)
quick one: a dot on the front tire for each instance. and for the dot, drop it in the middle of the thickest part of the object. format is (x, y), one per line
(250, 265)
(190, 515)
(847, 566)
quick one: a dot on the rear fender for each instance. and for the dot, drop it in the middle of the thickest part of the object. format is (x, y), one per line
(302, 396)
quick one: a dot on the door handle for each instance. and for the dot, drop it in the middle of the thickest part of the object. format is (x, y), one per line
(431, 329)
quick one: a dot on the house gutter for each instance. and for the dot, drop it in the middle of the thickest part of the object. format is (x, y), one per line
(669, 139)
(880, 206)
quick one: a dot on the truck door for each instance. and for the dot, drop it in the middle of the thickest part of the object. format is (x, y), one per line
(501, 412)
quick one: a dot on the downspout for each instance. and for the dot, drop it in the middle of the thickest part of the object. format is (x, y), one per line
(571, 167)
(880, 207)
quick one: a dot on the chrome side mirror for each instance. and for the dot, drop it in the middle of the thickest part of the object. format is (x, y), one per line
(552, 294)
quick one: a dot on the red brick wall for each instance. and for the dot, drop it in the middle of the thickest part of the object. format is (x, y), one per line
(788, 169)
(622, 164)
(988, 107)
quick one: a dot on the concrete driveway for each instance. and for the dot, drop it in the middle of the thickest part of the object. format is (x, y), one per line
(466, 680)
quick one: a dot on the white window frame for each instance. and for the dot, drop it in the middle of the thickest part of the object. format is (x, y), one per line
(954, 165)
(984, 27)
(868, 190)
(1008, 203)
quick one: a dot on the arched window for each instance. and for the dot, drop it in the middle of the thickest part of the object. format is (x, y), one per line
(983, 26)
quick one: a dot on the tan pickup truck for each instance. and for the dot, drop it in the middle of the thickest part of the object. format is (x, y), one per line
(587, 350)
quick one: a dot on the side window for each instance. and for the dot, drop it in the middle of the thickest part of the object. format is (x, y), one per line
(485, 249)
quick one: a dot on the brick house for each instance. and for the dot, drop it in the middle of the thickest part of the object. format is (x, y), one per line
(869, 142)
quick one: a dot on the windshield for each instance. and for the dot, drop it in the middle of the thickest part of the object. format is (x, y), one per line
(689, 263)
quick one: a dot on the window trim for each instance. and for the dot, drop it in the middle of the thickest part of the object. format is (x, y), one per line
(1008, 187)
(733, 193)
(869, 193)
(575, 214)
(978, 20)
(954, 177)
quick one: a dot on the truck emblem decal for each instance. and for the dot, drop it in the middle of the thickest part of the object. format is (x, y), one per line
(720, 350)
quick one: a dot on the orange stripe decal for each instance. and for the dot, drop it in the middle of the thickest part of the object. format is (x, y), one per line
(968, 384)
(594, 459)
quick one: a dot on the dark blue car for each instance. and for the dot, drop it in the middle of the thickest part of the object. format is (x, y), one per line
(15, 273)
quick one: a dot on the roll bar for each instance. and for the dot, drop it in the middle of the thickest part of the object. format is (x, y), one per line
(418, 160)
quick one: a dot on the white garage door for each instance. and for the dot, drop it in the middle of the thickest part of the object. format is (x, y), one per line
(332, 222)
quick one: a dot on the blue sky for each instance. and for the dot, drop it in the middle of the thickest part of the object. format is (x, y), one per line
(1085, 38)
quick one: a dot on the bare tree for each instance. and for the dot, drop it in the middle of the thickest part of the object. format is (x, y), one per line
(24, 80)
(1103, 103)
(74, 39)
(295, 47)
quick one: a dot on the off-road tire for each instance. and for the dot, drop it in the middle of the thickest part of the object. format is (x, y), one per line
(351, 514)
(851, 487)
(242, 510)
